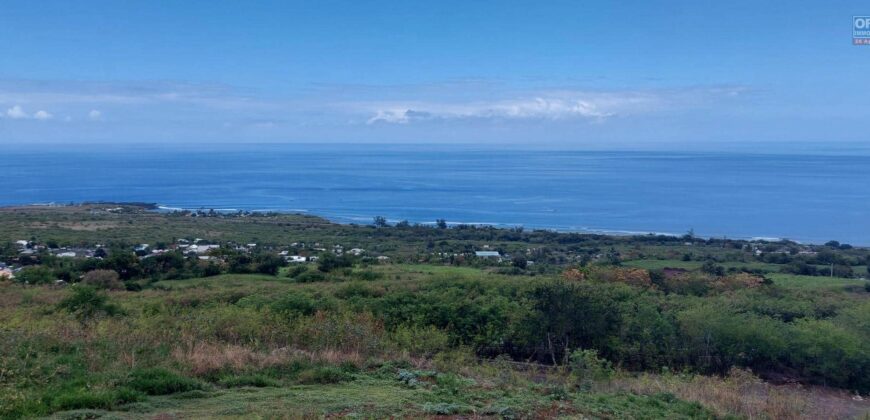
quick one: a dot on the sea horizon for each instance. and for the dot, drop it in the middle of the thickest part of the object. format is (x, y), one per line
(717, 194)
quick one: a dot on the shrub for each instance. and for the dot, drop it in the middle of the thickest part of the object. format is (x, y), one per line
(297, 271)
(329, 262)
(80, 398)
(586, 366)
(156, 381)
(295, 304)
(310, 277)
(357, 289)
(86, 303)
(35, 275)
(322, 375)
(422, 341)
(367, 275)
(256, 380)
(268, 264)
(445, 409)
(103, 279)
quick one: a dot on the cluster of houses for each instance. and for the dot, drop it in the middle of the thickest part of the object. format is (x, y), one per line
(196, 247)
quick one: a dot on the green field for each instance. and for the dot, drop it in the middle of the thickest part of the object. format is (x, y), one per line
(592, 328)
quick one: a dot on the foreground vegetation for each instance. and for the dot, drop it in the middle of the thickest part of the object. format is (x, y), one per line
(627, 333)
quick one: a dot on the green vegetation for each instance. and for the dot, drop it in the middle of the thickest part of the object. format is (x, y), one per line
(593, 327)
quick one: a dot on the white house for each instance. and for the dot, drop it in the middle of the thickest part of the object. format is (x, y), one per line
(487, 254)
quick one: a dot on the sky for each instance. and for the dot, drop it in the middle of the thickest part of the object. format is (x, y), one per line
(591, 74)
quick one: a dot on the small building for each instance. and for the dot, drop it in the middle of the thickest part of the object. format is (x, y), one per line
(487, 254)
(295, 259)
(202, 249)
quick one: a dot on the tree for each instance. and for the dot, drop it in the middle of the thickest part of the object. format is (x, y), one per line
(328, 262)
(124, 262)
(268, 264)
(87, 303)
(441, 223)
(36, 275)
(710, 267)
(519, 262)
(103, 279)
(380, 221)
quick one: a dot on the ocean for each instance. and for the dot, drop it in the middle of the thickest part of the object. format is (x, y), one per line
(803, 197)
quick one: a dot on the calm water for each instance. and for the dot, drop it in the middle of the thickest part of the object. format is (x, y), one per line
(802, 197)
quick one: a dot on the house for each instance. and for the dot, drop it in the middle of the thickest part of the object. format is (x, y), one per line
(295, 259)
(6, 273)
(202, 249)
(22, 243)
(487, 254)
(66, 254)
(356, 251)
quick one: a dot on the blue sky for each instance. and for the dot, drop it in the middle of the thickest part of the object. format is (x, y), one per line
(644, 75)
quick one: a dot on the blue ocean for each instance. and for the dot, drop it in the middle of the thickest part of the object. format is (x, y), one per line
(804, 197)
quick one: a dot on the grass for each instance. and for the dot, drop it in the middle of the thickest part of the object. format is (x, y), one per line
(370, 396)
(185, 349)
(815, 282)
(654, 264)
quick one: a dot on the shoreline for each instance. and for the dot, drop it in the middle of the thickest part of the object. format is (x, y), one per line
(362, 220)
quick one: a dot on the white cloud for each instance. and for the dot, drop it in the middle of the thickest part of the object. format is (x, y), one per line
(549, 105)
(42, 115)
(537, 107)
(16, 113)
(95, 115)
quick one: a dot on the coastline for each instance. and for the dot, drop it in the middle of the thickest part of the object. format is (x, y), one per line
(362, 220)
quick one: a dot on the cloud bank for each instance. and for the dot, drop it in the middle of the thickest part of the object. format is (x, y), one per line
(547, 105)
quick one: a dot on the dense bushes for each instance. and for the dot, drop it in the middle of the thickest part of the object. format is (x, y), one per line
(247, 331)
(155, 381)
(763, 328)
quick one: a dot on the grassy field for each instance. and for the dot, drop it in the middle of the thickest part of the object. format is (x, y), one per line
(816, 282)
(590, 330)
(84, 365)
(241, 365)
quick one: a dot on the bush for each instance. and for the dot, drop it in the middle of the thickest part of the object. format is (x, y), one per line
(268, 264)
(322, 375)
(156, 381)
(367, 275)
(586, 366)
(77, 399)
(445, 409)
(329, 262)
(311, 277)
(297, 271)
(295, 304)
(86, 303)
(421, 341)
(256, 380)
(103, 279)
(35, 275)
